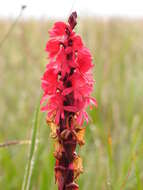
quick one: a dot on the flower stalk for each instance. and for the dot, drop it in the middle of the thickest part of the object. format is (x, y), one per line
(67, 84)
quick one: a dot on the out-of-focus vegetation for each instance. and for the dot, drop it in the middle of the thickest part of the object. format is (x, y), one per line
(113, 153)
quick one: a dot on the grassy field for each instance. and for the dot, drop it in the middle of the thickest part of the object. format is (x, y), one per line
(113, 153)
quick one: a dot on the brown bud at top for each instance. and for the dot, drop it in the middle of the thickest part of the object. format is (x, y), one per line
(72, 20)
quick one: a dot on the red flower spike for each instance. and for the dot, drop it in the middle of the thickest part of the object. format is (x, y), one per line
(67, 84)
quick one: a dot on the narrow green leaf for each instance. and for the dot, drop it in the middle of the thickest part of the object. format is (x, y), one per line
(32, 151)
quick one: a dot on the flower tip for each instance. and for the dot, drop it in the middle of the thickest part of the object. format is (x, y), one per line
(74, 14)
(72, 19)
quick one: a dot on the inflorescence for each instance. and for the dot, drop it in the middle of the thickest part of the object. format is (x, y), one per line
(67, 84)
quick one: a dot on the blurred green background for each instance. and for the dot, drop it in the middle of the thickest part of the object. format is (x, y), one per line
(113, 153)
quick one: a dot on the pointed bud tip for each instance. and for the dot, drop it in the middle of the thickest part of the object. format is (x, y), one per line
(72, 19)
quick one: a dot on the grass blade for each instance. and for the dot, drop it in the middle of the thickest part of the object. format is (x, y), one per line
(32, 150)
